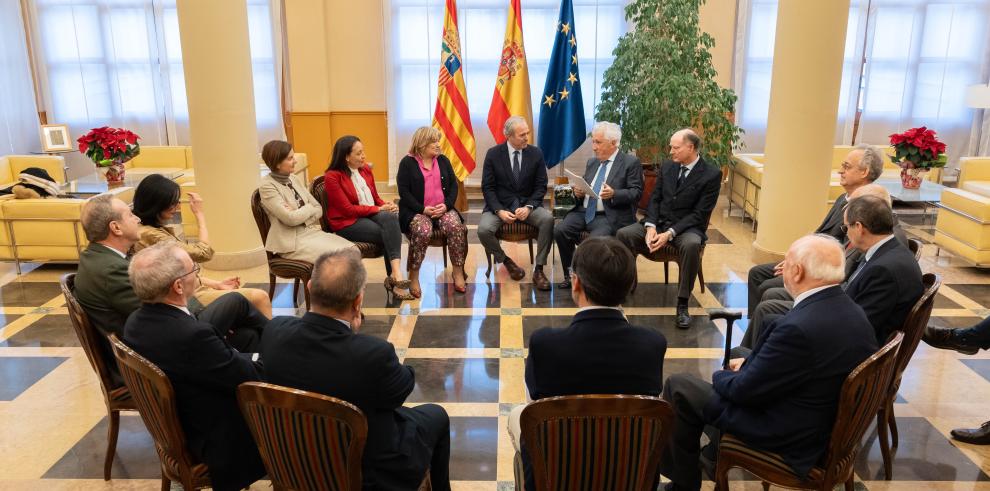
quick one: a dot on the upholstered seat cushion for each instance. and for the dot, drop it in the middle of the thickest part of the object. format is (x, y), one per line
(970, 203)
(978, 187)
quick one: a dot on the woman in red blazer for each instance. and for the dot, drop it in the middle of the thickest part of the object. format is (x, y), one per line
(356, 212)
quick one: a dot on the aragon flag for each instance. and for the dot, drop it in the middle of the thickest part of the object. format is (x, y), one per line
(511, 97)
(451, 115)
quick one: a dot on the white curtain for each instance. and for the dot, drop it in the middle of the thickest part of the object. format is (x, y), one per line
(920, 56)
(414, 27)
(19, 125)
(119, 63)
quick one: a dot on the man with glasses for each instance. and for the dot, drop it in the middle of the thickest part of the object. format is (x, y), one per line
(203, 368)
(104, 290)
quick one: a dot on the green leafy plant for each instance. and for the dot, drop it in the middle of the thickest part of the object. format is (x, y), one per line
(663, 80)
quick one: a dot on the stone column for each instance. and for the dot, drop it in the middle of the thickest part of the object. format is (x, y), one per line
(216, 59)
(804, 97)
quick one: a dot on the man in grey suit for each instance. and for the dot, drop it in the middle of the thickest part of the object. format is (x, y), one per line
(617, 179)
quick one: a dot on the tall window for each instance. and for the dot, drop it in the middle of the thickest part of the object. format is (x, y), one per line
(18, 114)
(907, 63)
(119, 63)
(415, 30)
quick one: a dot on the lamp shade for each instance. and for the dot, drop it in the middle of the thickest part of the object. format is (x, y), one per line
(978, 96)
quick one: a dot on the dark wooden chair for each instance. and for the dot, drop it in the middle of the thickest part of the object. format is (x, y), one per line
(155, 400)
(914, 245)
(914, 327)
(862, 395)
(116, 396)
(578, 430)
(368, 250)
(298, 271)
(666, 255)
(287, 424)
(514, 232)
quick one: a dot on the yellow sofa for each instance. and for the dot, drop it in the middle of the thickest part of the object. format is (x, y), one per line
(44, 230)
(12, 165)
(162, 160)
(963, 223)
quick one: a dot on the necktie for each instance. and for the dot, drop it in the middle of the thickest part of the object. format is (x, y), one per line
(680, 178)
(862, 264)
(589, 213)
(515, 165)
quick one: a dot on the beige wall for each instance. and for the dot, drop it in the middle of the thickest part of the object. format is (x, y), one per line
(718, 18)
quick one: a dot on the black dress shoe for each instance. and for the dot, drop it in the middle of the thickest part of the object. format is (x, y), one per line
(683, 318)
(976, 436)
(946, 338)
(566, 284)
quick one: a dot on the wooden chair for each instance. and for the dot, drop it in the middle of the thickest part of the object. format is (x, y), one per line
(862, 395)
(115, 394)
(665, 255)
(368, 250)
(155, 400)
(288, 424)
(514, 232)
(298, 271)
(914, 245)
(914, 327)
(578, 430)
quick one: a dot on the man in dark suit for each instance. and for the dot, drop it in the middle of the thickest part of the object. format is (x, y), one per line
(323, 352)
(862, 166)
(967, 341)
(600, 352)
(104, 289)
(514, 182)
(203, 368)
(679, 210)
(618, 180)
(784, 396)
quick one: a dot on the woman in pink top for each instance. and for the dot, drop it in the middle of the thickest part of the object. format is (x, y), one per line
(427, 191)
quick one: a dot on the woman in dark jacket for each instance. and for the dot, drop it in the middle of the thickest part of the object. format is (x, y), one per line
(427, 191)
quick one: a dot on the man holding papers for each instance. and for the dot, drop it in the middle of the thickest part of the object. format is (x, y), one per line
(617, 180)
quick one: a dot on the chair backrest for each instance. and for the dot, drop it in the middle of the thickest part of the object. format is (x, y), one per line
(566, 437)
(914, 327)
(308, 441)
(93, 342)
(260, 217)
(318, 190)
(862, 394)
(155, 400)
(914, 245)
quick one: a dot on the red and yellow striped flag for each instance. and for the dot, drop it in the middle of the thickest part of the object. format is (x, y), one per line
(511, 96)
(451, 115)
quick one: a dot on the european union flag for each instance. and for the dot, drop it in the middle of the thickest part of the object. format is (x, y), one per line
(562, 128)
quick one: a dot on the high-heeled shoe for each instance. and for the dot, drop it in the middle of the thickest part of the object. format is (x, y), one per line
(391, 286)
(462, 288)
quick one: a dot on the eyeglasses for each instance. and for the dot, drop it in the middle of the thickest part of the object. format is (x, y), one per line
(195, 270)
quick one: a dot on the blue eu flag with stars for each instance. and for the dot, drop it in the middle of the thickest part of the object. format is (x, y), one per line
(562, 128)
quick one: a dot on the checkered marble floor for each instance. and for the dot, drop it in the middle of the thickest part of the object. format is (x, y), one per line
(469, 352)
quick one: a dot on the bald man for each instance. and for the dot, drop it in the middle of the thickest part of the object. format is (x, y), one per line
(680, 208)
(783, 397)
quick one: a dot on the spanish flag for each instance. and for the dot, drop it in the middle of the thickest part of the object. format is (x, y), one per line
(451, 115)
(511, 96)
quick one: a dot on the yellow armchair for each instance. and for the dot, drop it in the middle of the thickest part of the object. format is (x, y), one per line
(12, 165)
(963, 224)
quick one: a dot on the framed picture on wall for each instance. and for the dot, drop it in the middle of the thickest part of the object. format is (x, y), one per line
(55, 138)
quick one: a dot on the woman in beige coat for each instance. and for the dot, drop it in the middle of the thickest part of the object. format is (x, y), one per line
(293, 212)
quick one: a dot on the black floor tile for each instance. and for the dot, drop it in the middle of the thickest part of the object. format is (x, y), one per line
(479, 295)
(557, 297)
(923, 454)
(378, 326)
(534, 322)
(981, 367)
(454, 380)
(135, 457)
(283, 294)
(473, 448)
(943, 302)
(702, 368)
(18, 373)
(28, 294)
(702, 333)
(52, 330)
(717, 238)
(977, 293)
(953, 322)
(7, 319)
(730, 295)
(455, 331)
(658, 295)
(375, 296)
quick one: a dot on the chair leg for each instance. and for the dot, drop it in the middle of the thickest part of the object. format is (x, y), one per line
(166, 482)
(701, 277)
(766, 486)
(271, 286)
(444, 255)
(488, 272)
(850, 484)
(721, 477)
(884, 443)
(893, 426)
(306, 293)
(295, 291)
(113, 428)
(532, 258)
(666, 272)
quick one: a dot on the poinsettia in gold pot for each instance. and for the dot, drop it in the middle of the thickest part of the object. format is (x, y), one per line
(109, 149)
(917, 151)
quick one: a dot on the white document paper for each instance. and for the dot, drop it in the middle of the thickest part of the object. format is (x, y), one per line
(579, 182)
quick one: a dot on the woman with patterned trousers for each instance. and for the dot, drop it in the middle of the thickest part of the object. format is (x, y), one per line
(427, 191)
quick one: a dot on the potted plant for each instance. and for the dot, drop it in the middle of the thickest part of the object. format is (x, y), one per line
(663, 80)
(109, 149)
(917, 151)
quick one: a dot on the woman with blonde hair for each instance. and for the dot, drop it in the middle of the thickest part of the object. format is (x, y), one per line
(427, 191)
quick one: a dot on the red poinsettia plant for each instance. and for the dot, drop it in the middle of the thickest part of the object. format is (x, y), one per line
(106, 146)
(918, 148)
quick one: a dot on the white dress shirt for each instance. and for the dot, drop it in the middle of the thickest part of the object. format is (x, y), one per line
(599, 206)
